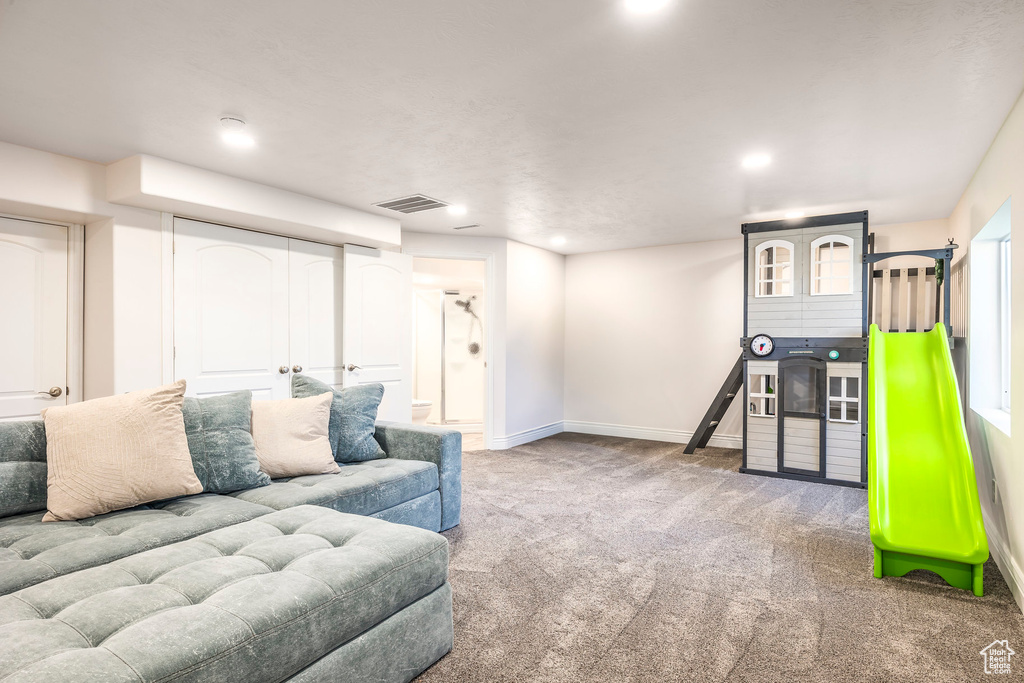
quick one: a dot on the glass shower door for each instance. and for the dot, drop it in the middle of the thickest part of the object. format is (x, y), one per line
(462, 364)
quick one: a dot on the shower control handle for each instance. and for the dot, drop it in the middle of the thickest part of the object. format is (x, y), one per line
(352, 367)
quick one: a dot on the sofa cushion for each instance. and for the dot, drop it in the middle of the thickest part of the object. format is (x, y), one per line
(22, 467)
(291, 436)
(353, 413)
(117, 452)
(32, 550)
(258, 601)
(359, 488)
(220, 441)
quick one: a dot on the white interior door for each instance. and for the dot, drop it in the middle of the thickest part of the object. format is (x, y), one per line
(377, 326)
(231, 324)
(34, 302)
(316, 283)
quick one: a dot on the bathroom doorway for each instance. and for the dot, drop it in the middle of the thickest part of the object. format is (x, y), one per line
(450, 346)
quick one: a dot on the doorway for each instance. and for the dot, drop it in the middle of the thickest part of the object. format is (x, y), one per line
(802, 416)
(450, 346)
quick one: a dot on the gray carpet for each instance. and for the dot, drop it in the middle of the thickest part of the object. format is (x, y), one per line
(587, 558)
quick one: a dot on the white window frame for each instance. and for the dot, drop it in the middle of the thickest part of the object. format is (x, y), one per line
(1005, 287)
(816, 261)
(844, 399)
(775, 281)
(761, 396)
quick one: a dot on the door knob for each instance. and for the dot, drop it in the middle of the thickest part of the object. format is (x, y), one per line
(54, 392)
(283, 369)
(296, 368)
(352, 367)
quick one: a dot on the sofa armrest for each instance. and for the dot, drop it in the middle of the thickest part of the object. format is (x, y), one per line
(443, 447)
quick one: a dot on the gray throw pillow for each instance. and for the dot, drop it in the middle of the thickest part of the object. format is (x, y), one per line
(221, 444)
(353, 414)
(22, 467)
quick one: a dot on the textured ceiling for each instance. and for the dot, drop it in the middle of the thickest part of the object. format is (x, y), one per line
(544, 117)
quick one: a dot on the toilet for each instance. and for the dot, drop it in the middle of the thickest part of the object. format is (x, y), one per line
(421, 410)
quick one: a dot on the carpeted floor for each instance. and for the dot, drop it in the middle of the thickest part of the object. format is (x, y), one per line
(587, 558)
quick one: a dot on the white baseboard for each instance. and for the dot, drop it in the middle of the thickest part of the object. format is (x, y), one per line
(1008, 566)
(499, 443)
(649, 433)
(605, 429)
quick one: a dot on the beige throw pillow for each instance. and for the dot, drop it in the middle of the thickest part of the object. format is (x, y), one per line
(291, 436)
(117, 452)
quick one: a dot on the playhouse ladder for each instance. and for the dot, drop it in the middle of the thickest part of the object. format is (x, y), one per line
(733, 384)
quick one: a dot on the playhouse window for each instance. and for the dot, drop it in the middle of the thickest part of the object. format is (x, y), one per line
(832, 265)
(844, 399)
(762, 395)
(774, 275)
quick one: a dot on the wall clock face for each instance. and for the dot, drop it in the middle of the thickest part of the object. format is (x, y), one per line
(762, 345)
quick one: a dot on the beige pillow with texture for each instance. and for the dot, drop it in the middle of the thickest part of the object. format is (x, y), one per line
(291, 436)
(117, 452)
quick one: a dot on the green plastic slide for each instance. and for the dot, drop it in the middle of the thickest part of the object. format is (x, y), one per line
(922, 494)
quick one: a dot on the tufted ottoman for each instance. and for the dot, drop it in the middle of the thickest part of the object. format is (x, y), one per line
(303, 594)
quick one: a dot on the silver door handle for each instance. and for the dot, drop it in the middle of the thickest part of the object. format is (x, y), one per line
(352, 367)
(283, 369)
(296, 368)
(54, 392)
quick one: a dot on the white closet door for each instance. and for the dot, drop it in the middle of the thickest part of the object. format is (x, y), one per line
(34, 302)
(231, 321)
(377, 326)
(315, 293)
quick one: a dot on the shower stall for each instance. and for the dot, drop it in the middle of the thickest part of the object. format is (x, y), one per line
(450, 369)
(462, 359)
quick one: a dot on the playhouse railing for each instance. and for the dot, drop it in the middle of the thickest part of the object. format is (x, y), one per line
(910, 299)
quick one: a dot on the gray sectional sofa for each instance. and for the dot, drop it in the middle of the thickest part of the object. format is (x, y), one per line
(325, 577)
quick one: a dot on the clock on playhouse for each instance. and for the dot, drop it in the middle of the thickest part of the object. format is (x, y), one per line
(762, 345)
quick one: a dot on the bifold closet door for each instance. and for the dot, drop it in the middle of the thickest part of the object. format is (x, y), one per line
(377, 326)
(231, 322)
(316, 282)
(34, 302)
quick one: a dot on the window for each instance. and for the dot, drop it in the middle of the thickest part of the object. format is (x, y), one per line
(801, 394)
(762, 395)
(831, 265)
(989, 330)
(774, 264)
(844, 399)
(1004, 322)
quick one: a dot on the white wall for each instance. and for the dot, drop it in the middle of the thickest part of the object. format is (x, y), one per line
(651, 334)
(123, 330)
(998, 457)
(535, 341)
(905, 236)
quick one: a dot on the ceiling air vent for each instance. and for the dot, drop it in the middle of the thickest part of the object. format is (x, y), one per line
(412, 204)
(466, 227)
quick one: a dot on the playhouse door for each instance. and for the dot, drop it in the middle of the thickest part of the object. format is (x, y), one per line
(802, 418)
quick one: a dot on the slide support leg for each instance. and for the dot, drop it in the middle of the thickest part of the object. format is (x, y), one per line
(977, 581)
(957, 574)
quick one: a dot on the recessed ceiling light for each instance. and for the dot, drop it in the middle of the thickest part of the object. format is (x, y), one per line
(234, 132)
(795, 214)
(645, 6)
(558, 241)
(758, 160)
(457, 210)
